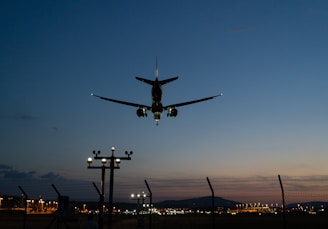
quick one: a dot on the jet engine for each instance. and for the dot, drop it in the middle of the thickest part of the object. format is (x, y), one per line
(141, 113)
(173, 112)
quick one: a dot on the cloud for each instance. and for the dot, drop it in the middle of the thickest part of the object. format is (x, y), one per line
(55, 129)
(4, 167)
(244, 189)
(16, 175)
(306, 183)
(51, 177)
(9, 173)
(26, 117)
(36, 185)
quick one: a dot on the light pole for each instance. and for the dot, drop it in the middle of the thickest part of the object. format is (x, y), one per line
(103, 167)
(138, 197)
(112, 161)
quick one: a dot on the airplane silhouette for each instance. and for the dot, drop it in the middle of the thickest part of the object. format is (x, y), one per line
(157, 107)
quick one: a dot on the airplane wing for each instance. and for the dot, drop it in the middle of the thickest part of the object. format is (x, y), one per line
(123, 102)
(190, 102)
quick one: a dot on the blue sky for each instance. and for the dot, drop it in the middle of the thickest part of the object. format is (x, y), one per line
(269, 58)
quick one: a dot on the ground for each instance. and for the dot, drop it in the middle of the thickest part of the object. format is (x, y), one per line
(10, 221)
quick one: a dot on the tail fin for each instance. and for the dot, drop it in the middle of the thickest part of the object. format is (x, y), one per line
(156, 73)
(161, 82)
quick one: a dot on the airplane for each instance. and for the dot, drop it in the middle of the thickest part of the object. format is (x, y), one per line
(156, 107)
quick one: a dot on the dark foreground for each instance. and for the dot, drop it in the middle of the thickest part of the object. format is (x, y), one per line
(171, 222)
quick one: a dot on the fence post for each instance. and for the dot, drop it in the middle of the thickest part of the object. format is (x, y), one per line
(283, 202)
(101, 205)
(25, 212)
(213, 216)
(150, 204)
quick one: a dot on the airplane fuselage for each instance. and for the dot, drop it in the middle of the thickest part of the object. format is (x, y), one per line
(157, 106)
(156, 91)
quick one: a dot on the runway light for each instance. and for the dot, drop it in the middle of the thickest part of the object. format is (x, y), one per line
(89, 160)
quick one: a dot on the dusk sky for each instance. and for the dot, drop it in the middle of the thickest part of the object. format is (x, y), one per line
(268, 58)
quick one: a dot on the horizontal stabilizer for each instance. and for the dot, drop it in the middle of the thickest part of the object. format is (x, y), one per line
(152, 82)
(147, 81)
(162, 82)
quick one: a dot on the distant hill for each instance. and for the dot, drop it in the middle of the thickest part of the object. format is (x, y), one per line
(197, 203)
(200, 203)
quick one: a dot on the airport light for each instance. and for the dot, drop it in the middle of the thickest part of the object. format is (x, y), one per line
(114, 163)
(139, 197)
